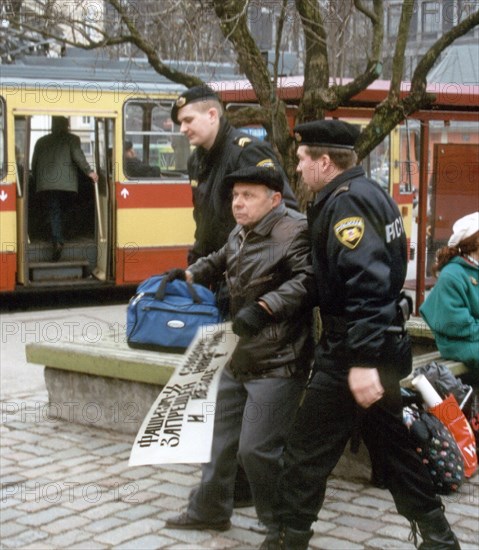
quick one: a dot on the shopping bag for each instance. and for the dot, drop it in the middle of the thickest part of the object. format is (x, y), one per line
(450, 414)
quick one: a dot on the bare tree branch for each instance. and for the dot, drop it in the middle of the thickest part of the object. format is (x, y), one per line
(392, 112)
(233, 22)
(144, 45)
(318, 95)
(401, 41)
(316, 66)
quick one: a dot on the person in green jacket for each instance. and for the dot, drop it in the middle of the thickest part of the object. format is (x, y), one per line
(57, 158)
(452, 308)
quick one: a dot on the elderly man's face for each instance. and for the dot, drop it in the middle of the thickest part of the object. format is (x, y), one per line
(251, 202)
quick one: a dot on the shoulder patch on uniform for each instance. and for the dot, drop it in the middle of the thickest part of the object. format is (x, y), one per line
(266, 163)
(349, 231)
(194, 183)
(341, 189)
(242, 141)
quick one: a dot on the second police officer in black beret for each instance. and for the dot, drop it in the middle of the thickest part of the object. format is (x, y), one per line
(220, 150)
(359, 256)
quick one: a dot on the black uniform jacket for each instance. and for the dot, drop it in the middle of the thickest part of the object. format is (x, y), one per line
(232, 150)
(359, 260)
(270, 261)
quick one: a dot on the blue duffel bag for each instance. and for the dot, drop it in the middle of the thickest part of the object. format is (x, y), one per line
(165, 315)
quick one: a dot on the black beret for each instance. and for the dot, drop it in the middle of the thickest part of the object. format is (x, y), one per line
(192, 95)
(327, 133)
(270, 177)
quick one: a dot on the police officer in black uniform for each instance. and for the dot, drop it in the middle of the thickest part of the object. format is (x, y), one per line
(220, 151)
(359, 256)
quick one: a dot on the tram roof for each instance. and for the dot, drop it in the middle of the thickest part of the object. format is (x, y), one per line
(450, 95)
(78, 70)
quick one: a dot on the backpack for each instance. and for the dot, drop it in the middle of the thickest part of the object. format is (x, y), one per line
(166, 315)
(437, 448)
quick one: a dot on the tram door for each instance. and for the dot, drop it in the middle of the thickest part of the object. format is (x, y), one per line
(104, 132)
(86, 216)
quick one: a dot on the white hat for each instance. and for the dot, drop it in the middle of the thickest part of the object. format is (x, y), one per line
(463, 228)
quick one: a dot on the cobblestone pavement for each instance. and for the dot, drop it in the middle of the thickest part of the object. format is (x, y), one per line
(69, 486)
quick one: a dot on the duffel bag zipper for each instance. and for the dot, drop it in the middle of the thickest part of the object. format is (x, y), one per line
(177, 312)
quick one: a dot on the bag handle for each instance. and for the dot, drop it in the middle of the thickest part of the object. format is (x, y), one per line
(160, 293)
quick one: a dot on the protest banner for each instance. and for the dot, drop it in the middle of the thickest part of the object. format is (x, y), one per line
(179, 426)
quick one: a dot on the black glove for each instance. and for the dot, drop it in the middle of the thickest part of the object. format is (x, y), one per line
(250, 320)
(176, 273)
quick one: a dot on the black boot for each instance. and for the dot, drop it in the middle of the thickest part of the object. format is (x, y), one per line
(271, 542)
(436, 532)
(286, 538)
(292, 539)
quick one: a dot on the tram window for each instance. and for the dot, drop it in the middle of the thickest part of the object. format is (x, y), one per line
(3, 159)
(153, 145)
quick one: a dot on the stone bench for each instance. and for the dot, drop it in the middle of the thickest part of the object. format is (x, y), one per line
(425, 351)
(456, 367)
(104, 383)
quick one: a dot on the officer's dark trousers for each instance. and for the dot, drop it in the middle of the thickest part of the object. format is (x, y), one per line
(322, 428)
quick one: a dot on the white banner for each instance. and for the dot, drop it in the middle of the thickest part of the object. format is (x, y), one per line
(179, 426)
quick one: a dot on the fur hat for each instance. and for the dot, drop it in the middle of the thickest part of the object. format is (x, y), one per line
(464, 227)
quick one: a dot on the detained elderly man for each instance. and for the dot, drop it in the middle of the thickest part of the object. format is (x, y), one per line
(266, 262)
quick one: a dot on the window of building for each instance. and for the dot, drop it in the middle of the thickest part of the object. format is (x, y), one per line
(393, 19)
(431, 17)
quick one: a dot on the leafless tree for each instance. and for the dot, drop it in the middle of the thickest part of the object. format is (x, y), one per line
(220, 30)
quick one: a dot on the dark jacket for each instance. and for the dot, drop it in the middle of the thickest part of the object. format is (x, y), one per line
(207, 169)
(56, 160)
(359, 255)
(271, 262)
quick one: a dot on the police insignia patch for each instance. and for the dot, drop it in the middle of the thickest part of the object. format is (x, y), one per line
(266, 163)
(349, 231)
(180, 102)
(242, 141)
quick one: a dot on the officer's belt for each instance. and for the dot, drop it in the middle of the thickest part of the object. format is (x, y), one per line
(333, 324)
